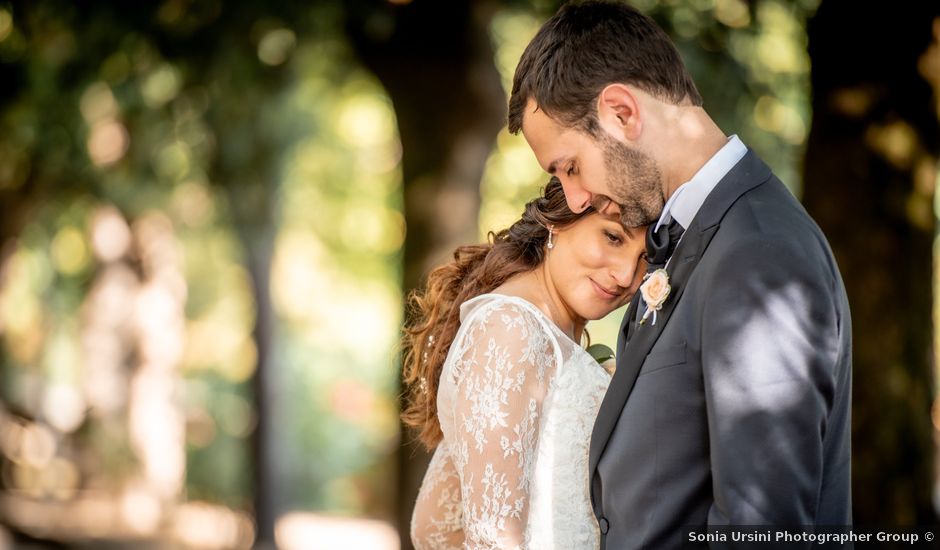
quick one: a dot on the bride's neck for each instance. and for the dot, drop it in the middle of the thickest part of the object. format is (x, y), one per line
(536, 287)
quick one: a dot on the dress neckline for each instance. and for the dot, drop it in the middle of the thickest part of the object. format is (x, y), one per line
(528, 305)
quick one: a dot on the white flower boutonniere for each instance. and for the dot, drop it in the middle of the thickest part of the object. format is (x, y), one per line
(655, 290)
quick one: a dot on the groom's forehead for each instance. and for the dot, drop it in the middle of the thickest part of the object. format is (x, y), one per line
(535, 117)
(551, 142)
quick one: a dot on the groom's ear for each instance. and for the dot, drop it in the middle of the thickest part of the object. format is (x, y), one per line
(618, 111)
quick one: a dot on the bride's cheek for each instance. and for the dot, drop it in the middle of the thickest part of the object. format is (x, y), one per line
(599, 254)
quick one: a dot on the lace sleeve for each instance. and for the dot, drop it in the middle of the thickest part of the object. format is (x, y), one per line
(436, 524)
(502, 373)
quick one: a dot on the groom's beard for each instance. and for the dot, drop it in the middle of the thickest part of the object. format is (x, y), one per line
(635, 183)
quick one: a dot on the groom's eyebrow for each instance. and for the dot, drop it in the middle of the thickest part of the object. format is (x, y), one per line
(553, 165)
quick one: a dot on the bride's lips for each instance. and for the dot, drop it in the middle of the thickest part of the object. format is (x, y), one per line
(603, 292)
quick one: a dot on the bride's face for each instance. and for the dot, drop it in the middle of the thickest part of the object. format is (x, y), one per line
(596, 265)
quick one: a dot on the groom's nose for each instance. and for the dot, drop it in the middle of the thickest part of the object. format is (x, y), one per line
(577, 197)
(605, 205)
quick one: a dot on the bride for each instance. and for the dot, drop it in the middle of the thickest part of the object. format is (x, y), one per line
(499, 386)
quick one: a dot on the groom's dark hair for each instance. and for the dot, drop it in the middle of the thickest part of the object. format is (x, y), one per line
(586, 46)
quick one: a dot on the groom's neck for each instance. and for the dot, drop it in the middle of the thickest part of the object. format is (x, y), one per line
(689, 139)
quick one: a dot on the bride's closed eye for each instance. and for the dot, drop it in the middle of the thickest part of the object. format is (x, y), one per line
(612, 237)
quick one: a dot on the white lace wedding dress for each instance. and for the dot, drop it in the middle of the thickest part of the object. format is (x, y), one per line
(517, 401)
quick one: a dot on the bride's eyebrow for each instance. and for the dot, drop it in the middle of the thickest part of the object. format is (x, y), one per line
(614, 224)
(614, 221)
(632, 234)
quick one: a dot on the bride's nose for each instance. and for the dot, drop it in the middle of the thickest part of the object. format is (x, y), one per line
(623, 273)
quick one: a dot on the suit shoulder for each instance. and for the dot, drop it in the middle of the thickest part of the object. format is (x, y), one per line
(755, 237)
(770, 217)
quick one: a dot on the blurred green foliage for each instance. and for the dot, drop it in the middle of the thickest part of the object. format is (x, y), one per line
(108, 110)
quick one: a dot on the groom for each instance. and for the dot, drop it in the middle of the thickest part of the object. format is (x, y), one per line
(732, 397)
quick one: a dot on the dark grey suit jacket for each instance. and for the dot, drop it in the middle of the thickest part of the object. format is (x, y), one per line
(734, 408)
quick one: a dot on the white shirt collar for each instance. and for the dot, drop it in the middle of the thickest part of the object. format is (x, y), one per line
(686, 201)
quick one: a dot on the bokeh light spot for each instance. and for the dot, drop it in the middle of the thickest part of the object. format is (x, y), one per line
(276, 45)
(200, 428)
(116, 68)
(237, 418)
(733, 13)
(15, 167)
(173, 161)
(108, 142)
(193, 203)
(64, 407)
(6, 24)
(110, 234)
(161, 86)
(895, 141)
(37, 446)
(777, 117)
(98, 103)
(61, 478)
(69, 252)
(365, 121)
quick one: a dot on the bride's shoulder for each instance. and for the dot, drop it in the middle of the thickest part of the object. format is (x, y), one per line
(496, 309)
(505, 330)
(509, 318)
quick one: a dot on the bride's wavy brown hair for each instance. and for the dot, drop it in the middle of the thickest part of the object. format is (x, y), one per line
(434, 311)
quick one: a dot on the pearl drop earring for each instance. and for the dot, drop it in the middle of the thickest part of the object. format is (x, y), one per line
(551, 230)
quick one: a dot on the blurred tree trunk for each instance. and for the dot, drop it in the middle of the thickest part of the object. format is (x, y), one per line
(246, 168)
(259, 248)
(436, 62)
(870, 178)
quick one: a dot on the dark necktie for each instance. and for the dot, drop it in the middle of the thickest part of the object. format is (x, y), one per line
(659, 247)
(660, 244)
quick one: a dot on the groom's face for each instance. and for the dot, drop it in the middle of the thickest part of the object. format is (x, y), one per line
(634, 181)
(595, 169)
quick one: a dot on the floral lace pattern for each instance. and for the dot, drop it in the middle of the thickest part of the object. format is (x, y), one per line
(517, 403)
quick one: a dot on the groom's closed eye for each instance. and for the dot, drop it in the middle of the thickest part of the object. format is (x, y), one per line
(553, 165)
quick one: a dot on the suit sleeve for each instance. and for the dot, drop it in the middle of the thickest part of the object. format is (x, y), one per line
(770, 340)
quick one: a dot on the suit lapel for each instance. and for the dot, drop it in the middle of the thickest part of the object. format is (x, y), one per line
(631, 355)
(633, 348)
(626, 326)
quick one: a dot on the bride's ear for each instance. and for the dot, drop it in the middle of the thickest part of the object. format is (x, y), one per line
(618, 111)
